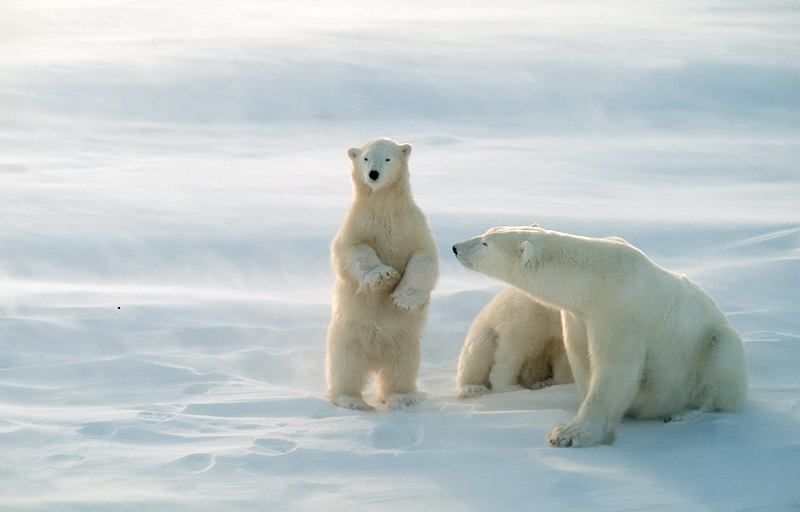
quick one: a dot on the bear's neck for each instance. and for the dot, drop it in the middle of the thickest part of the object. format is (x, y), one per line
(560, 291)
(392, 197)
(563, 280)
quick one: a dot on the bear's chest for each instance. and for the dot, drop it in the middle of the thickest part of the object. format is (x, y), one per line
(393, 237)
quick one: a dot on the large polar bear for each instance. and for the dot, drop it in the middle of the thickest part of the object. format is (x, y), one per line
(386, 264)
(513, 340)
(641, 341)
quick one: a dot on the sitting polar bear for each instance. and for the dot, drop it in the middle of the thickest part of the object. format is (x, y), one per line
(386, 264)
(513, 340)
(641, 341)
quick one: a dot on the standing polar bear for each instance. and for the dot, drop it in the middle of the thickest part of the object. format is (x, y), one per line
(641, 341)
(513, 340)
(386, 264)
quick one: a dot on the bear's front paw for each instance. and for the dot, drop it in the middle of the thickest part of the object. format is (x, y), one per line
(471, 391)
(409, 299)
(380, 277)
(575, 434)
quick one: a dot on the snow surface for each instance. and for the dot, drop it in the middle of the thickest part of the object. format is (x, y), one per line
(172, 172)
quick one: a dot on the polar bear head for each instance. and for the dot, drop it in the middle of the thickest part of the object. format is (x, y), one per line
(379, 163)
(504, 253)
(559, 269)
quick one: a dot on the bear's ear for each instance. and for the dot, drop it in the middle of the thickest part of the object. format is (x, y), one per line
(353, 153)
(534, 225)
(405, 150)
(527, 253)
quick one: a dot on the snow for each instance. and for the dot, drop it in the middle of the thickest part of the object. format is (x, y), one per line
(172, 173)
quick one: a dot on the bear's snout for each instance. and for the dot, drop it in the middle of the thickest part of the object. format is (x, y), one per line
(464, 253)
(374, 175)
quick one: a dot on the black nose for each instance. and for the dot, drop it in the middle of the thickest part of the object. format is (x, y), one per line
(374, 175)
(455, 251)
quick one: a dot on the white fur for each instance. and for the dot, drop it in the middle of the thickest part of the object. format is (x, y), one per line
(641, 341)
(386, 265)
(513, 340)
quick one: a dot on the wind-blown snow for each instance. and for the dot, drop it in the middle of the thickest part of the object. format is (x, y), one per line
(172, 173)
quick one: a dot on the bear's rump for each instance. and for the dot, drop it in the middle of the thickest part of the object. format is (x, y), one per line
(670, 382)
(657, 400)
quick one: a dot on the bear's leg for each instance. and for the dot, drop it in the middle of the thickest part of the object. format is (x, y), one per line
(397, 377)
(576, 344)
(475, 362)
(419, 277)
(368, 269)
(508, 362)
(617, 363)
(347, 370)
(562, 372)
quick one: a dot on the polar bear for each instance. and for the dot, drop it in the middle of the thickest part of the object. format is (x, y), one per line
(386, 264)
(513, 340)
(641, 341)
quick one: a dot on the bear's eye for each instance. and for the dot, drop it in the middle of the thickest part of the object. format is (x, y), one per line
(366, 159)
(388, 159)
(484, 243)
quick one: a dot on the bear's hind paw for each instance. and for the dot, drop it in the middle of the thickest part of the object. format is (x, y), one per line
(540, 384)
(351, 402)
(403, 400)
(685, 415)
